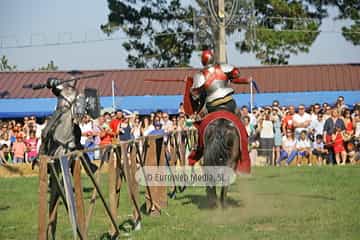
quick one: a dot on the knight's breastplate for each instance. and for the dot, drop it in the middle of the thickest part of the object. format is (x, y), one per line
(216, 85)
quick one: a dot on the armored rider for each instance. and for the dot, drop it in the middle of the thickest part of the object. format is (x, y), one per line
(211, 85)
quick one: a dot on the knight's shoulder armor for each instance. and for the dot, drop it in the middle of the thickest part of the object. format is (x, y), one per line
(198, 80)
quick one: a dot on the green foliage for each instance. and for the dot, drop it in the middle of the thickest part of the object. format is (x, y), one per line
(160, 31)
(5, 66)
(279, 29)
(49, 67)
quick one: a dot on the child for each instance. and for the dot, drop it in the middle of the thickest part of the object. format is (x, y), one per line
(339, 147)
(4, 152)
(31, 145)
(303, 147)
(19, 149)
(319, 151)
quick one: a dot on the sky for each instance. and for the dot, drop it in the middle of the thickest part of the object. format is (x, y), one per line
(38, 22)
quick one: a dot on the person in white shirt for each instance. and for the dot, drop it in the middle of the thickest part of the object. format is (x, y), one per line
(301, 120)
(317, 125)
(288, 148)
(303, 146)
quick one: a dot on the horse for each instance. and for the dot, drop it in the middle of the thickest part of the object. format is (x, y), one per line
(221, 148)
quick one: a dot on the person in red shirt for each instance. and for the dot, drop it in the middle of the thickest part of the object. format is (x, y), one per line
(287, 122)
(116, 121)
(19, 148)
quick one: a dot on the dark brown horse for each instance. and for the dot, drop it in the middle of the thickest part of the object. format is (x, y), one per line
(221, 148)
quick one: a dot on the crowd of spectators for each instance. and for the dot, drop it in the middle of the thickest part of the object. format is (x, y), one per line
(278, 133)
(330, 134)
(20, 140)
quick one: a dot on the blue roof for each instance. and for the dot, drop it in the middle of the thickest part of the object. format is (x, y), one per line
(40, 107)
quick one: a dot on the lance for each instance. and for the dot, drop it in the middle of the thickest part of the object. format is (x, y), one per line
(44, 85)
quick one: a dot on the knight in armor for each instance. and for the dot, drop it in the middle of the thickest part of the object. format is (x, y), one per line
(61, 132)
(211, 85)
(211, 88)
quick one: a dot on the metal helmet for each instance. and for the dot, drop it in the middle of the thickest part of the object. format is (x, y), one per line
(207, 57)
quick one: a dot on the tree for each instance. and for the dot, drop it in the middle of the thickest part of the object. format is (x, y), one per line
(349, 9)
(49, 67)
(5, 66)
(161, 32)
(280, 28)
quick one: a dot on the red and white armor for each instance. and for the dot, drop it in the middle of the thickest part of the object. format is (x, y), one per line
(215, 81)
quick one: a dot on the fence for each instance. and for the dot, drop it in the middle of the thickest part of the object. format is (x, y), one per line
(123, 159)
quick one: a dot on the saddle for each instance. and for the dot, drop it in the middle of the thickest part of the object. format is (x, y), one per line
(243, 164)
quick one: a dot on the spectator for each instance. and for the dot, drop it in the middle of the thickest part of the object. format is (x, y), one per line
(327, 113)
(124, 130)
(87, 129)
(4, 139)
(4, 154)
(301, 120)
(19, 148)
(181, 108)
(303, 147)
(329, 130)
(4, 129)
(339, 147)
(166, 123)
(319, 151)
(136, 129)
(266, 129)
(356, 123)
(106, 133)
(32, 148)
(288, 122)
(288, 148)
(116, 121)
(157, 129)
(275, 103)
(349, 127)
(315, 111)
(340, 104)
(147, 127)
(317, 125)
(277, 131)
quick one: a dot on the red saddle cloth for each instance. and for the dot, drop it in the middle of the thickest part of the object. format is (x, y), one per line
(243, 165)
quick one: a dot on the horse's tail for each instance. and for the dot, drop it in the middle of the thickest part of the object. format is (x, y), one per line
(217, 151)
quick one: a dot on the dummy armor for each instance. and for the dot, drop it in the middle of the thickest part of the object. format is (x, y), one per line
(212, 84)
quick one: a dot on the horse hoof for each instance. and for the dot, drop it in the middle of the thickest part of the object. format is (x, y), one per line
(137, 226)
(182, 189)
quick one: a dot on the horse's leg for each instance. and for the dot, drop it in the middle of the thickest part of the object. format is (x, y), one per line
(211, 196)
(224, 190)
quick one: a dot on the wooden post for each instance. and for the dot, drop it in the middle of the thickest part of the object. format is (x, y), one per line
(112, 189)
(162, 190)
(79, 199)
(43, 187)
(150, 160)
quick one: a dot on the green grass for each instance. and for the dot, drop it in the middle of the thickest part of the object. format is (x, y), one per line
(274, 203)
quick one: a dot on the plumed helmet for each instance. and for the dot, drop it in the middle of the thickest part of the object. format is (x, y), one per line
(207, 57)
